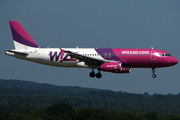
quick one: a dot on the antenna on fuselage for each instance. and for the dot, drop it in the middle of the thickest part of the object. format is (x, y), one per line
(152, 48)
(76, 47)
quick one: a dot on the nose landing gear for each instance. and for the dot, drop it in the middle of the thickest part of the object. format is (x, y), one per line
(153, 71)
(154, 75)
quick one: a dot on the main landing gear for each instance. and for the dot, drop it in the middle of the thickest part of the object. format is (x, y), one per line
(153, 71)
(92, 74)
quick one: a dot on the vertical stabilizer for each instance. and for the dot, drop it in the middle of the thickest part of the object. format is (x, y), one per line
(21, 37)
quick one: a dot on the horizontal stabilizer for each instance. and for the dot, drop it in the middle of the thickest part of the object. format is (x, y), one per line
(11, 52)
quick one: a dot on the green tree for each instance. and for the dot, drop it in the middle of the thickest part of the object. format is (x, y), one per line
(92, 114)
(60, 110)
(151, 116)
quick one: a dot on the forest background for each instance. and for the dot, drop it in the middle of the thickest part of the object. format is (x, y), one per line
(24, 99)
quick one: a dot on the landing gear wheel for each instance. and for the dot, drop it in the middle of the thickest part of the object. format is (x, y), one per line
(154, 75)
(98, 75)
(92, 74)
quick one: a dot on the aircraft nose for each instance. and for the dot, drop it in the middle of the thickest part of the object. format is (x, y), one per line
(173, 61)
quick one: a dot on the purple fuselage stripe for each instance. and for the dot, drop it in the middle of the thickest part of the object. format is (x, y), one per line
(110, 55)
(18, 38)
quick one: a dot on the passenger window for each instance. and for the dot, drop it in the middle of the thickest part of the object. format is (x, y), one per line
(109, 55)
(105, 55)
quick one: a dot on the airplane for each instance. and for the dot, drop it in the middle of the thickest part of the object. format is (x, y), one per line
(115, 60)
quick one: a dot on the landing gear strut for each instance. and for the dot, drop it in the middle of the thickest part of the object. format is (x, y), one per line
(153, 71)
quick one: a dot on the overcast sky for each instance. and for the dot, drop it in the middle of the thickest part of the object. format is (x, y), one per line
(92, 24)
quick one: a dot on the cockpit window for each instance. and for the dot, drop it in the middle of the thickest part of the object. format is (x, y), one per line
(165, 55)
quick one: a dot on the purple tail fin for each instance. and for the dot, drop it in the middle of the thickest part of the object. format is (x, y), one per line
(21, 36)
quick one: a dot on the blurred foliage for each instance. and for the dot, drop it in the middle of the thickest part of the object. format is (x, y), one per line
(61, 111)
(29, 100)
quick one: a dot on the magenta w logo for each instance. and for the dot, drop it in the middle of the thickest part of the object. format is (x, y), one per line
(54, 55)
(58, 56)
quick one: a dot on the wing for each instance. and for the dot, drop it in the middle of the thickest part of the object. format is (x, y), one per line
(90, 61)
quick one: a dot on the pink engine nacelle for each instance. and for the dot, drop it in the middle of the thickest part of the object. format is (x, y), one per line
(114, 67)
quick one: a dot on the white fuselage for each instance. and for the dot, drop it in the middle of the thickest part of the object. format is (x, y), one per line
(52, 56)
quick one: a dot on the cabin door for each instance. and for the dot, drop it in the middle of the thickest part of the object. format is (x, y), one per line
(153, 56)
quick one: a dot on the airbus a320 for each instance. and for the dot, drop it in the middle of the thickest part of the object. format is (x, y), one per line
(115, 60)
